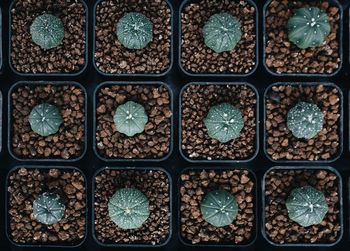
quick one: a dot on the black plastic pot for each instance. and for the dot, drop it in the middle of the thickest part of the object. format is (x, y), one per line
(61, 74)
(340, 38)
(187, 158)
(212, 245)
(302, 245)
(111, 83)
(171, 56)
(1, 54)
(341, 119)
(10, 120)
(45, 245)
(192, 74)
(115, 245)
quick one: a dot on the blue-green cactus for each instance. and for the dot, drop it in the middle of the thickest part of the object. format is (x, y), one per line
(219, 208)
(128, 208)
(47, 31)
(306, 206)
(134, 30)
(308, 27)
(224, 122)
(48, 208)
(45, 119)
(222, 32)
(305, 120)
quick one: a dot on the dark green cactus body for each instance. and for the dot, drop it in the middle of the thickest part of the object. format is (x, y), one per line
(48, 208)
(130, 118)
(222, 32)
(305, 120)
(219, 208)
(306, 206)
(134, 30)
(224, 122)
(45, 119)
(308, 27)
(47, 31)
(128, 208)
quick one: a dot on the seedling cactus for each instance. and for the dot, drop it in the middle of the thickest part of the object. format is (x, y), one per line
(128, 208)
(134, 30)
(219, 208)
(308, 27)
(224, 122)
(305, 120)
(130, 118)
(45, 119)
(47, 31)
(306, 206)
(48, 208)
(222, 32)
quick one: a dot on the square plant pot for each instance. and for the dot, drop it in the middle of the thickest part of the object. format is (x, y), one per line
(69, 142)
(283, 57)
(155, 184)
(278, 229)
(112, 58)
(25, 187)
(194, 186)
(68, 58)
(154, 143)
(196, 58)
(281, 144)
(196, 145)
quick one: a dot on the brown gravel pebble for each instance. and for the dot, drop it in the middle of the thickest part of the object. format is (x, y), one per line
(279, 228)
(155, 185)
(25, 185)
(154, 141)
(68, 57)
(113, 58)
(196, 102)
(196, 57)
(69, 141)
(194, 184)
(280, 142)
(283, 56)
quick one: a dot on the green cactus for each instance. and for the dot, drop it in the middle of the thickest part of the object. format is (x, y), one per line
(222, 32)
(45, 119)
(134, 30)
(128, 208)
(219, 208)
(224, 122)
(308, 27)
(48, 208)
(47, 31)
(306, 206)
(305, 120)
(130, 118)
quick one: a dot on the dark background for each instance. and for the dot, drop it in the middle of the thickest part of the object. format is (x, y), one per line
(175, 164)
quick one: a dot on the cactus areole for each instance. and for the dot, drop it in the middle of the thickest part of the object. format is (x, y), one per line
(48, 208)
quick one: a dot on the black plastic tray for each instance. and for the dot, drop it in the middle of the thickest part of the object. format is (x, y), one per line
(175, 78)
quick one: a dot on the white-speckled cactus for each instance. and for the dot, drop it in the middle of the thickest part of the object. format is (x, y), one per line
(48, 208)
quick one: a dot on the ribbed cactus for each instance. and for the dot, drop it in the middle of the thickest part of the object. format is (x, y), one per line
(308, 27)
(48, 208)
(47, 31)
(222, 32)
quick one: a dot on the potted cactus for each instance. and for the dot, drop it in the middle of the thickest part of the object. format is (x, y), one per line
(46, 206)
(133, 121)
(303, 122)
(47, 121)
(48, 37)
(132, 207)
(138, 36)
(218, 122)
(302, 206)
(217, 207)
(303, 37)
(218, 37)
